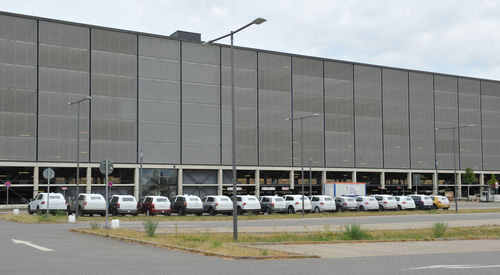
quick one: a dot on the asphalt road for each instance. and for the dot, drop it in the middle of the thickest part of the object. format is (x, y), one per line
(81, 254)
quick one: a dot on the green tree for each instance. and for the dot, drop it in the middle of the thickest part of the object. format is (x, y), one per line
(469, 176)
(492, 180)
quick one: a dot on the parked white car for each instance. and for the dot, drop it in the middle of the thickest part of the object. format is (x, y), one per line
(345, 204)
(248, 203)
(217, 205)
(56, 202)
(152, 205)
(272, 204)
(323, 203)
(386, 202)
(365, 203)
(405, 203)
(91, 204)
(123, 204)
(294, 203)
(187, 204)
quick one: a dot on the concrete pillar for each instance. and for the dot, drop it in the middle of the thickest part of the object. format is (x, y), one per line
(323, 181)
(435, 183)
(382, 180)
(354, 177)
(136, 183)
(220, 177)
(36, 180)
(257, 183)
(409, 181)
(179, 182)
(88, 189)
(459, 185)
(481, 183)
(292, 180)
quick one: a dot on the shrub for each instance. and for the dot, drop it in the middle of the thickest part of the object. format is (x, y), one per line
(439, 229)
(150, 227)
(354, 232)
(94, 225)
(60, 213)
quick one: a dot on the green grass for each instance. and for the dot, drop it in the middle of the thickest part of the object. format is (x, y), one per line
(439, 229)
(354, 232)
(58, 219)
(150, 227)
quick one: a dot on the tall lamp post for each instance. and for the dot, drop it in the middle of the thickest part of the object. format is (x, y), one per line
(454, 157)
(78, 151)
(257, 21)
(302, 149)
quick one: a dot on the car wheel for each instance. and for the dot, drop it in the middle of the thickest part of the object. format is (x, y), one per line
(316, 210)
(341, 209)
(239, 211)
(211, 211)
(29, 210)
(291, 210)
(400, 208)
(435, 207)
(446, 208)
(381, 208)
(148, 213)
(181, 212)
(361, 208)
(268, 211)
(38, 211)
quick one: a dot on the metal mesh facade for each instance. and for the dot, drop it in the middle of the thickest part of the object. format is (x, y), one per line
(172, 100)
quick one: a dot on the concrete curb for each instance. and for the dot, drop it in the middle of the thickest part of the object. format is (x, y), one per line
(192, 250)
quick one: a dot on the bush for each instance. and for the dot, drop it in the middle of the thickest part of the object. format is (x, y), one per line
(150, 227)
(439, 229)
(95, 226)
(42, 217)
(354, 232)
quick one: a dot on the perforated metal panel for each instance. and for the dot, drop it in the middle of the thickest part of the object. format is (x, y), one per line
(275, 133)
(446, 99)
(470, 113)
(64, 77)
(339, 116)
(114, 96)
(159, 100)
(245, 88)
(490, 100)
(200, 104)
(396, 123)
(421, 120)
(307, 100)
(18, 59)
(368, 116)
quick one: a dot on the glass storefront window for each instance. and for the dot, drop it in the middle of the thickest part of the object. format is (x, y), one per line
(118, 176)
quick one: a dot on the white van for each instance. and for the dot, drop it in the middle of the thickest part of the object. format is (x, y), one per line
(56, 202)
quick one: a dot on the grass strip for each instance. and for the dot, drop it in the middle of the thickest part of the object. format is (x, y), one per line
(25, 218)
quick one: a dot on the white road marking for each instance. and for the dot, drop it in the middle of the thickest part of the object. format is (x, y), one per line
(32, 245)
(464, 266)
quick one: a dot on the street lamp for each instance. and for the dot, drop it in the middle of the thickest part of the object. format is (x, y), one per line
(257, 21)
(302, 149)
(454, 157)
(78, 151)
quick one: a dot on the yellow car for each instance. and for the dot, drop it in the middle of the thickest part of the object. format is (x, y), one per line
(440, 202)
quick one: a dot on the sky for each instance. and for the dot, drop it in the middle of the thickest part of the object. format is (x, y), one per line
(458, 37)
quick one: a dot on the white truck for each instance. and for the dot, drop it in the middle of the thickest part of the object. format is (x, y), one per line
(344, 189)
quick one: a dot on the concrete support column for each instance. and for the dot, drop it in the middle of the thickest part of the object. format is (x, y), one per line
(435, 183)
(88, 189)
(409, 181)
(179, 182)
(136, 183)
(459, 185)
(323, 181)
(354, 177)
(481, 183)
(257, 183)
(220, 177)
(36, 180)
(382, 180)
(292, 182)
